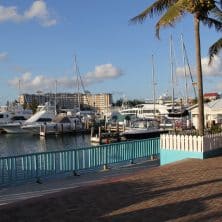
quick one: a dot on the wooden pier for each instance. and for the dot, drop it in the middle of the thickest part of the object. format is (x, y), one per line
(108, 135)
(60, 131)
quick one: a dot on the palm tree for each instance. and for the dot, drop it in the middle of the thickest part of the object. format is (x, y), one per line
(172, 10)
(217, 46)
(214, 49)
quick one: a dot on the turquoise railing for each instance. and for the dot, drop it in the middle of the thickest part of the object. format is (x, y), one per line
(39, 165)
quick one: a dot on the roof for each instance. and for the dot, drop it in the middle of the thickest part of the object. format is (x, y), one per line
(210, 94)
(215, 105)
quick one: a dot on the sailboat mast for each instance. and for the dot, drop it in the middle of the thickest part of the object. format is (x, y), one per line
(154, 88)
(172, 74)
(77, 81)
(184, 65)
(19, 86)
(55, 96)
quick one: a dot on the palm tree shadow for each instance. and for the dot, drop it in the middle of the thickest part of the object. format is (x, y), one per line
(101, 201)
(172, 211)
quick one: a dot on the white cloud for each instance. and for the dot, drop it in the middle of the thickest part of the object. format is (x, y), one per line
(41, 82)
(213, 70)
(38, 10)
(9, 14)
(3, 56)
(218, 87)
(101, 73)
(30, 83)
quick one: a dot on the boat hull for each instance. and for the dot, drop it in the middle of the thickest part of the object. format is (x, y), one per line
(12, 128)
(142, 135)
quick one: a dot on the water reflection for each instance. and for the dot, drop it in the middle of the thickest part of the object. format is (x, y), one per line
(11, 145)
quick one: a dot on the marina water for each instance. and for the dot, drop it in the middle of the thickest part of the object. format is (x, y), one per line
(16, 144)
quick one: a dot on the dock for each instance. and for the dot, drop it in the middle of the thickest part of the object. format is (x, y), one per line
(109, 135)
(60, 131)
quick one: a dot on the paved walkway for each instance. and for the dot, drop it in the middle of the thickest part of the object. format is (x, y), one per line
(61, 183)
(189, 190)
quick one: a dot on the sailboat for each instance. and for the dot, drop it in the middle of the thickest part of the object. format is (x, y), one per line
(178, 115)
(87, 114)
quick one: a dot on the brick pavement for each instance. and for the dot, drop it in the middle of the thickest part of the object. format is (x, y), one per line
(189, 190)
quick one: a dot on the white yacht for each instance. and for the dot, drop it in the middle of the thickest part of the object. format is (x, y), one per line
(45, 113)
(151, 111)
(141, 129)
(146, 110)
(13, 115)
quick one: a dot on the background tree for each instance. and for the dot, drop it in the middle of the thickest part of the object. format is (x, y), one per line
(33, 106)
(172, 10)
(25, 105)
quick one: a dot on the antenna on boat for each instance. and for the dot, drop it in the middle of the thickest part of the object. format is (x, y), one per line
(56, 82)
(172, 74)
(154, 87)
(19, 86)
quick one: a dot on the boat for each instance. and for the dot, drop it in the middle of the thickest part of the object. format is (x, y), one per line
(142, 129)
(62, 123)
(146, 111)
(13, 115)
(45, 113)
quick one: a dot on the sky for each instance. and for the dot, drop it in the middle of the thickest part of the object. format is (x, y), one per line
(41, 39)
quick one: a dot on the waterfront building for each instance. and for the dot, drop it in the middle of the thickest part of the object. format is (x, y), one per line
(212, 113)
(99, 102)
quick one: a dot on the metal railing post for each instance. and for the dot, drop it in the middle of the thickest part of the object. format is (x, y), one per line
(105, 166)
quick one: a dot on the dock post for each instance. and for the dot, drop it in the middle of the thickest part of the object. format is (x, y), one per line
(105, 126)
(92, 131)
(99, 131)
(42, 130)
(100, 138)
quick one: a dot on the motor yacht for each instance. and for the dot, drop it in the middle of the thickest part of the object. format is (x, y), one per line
(45, 113)
(142, 129)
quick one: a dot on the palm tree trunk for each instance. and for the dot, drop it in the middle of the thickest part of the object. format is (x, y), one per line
(199, 75)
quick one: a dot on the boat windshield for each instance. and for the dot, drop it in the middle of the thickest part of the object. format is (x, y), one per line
(141, 124)
(145, 124)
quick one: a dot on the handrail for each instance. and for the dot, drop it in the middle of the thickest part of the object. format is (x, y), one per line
(22, 168)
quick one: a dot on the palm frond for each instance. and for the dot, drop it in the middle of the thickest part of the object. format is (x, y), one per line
(211, 22)
(219, 2)
(214, 50)
(173, 13)
(216, 13)
(155, 9)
